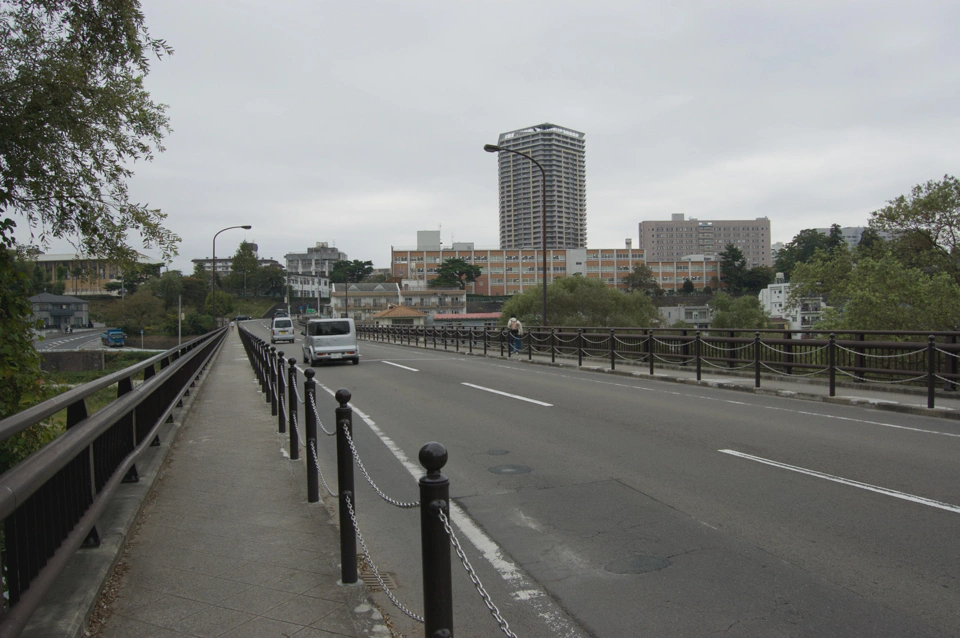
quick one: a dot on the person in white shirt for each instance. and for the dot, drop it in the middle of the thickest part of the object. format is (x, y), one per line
(515, 328)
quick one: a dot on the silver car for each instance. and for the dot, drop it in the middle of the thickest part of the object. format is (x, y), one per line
(330, 340)
(281, 330)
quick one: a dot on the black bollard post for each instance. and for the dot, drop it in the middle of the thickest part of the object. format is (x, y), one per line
(272, 361)
(832, 358)
(348, 534)
(293, 407)
(579, 347)
(756, 360)
(281, 384)
(310, 425)
(699, 360)
(435, 546)
(613, 357)
(553, 345)
(931, 369)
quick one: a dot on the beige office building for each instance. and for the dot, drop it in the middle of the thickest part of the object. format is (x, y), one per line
(678, 238)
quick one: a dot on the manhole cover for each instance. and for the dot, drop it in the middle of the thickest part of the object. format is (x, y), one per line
(497, 452)
(639, 564)
(510, 469)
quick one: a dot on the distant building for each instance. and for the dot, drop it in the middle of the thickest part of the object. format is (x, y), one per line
(697, 317)
(59, 311)
(853, 234)
(317, 259)
(361, 301)
(506, 272)
(398, 316)
(561, 153)
(775, 300)
(672, 240)
(467, 320)
(94, 272)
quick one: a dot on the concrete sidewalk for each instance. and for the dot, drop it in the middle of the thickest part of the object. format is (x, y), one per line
(227, 544)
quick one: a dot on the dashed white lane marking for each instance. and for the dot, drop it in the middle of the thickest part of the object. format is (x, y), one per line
(844, 481)
(391, 363)
(507, 394)
(523, 589)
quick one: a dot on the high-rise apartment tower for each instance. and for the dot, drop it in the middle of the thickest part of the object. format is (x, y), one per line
(561, 153)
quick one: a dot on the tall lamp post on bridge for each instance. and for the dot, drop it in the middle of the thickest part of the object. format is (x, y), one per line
(213, 277)
(493, 148)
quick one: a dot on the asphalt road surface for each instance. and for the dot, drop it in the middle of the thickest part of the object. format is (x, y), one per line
(72, 341)
(593, 505)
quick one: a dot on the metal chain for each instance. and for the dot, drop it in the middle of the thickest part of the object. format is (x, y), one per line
(316, 464)
(376, 489)
(313, 404)
(296, 428)
(882, 356)
(296, 391)
(504, 626)
(376, 572)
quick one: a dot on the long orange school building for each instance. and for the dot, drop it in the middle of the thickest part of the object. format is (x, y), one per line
(511, 271)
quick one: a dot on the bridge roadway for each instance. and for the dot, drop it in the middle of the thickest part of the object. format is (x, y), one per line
(589, 505)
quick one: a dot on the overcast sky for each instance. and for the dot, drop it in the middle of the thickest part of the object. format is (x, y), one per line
(358, 123)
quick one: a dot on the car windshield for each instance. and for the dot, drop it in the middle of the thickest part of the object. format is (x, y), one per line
(328, 328)
(283, 323)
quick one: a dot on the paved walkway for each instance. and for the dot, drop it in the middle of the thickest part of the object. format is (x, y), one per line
(228, 545)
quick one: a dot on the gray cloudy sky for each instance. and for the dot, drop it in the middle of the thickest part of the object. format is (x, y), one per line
(360, 122)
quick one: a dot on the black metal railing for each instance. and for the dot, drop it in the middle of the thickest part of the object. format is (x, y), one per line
(920, 359)
(50, 502)
(436, 532)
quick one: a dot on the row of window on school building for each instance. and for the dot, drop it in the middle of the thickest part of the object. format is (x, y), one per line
(507, 272)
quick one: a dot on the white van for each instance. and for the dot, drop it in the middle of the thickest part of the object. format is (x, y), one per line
(281, 330)
(330, 340)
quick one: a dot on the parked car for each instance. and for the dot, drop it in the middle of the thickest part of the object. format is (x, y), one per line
(330, 340)
(281, 330)
(242, 318)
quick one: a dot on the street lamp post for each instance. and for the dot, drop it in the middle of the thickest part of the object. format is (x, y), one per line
(493, 148)
(213, 278)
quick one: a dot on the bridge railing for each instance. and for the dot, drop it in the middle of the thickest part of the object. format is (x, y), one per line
(436, 531)
(51, 501)
(921, 359)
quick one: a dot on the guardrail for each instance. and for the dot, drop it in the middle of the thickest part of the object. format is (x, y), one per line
(50, 502)
(281, 391)
(883, 357)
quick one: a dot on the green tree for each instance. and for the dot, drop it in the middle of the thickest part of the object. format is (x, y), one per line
(927, 222)
(738, 312)
(733, 266)
(226, 304)
(688, 288)
(168, 288)
(455, 272)
(269, 281)
(877, 292)
(194, 292)
(76, 118)
(756, 279)
(243, 269)
(642, 279)
(137, 312)
(801, 249)
(579, 301)
(350, 271)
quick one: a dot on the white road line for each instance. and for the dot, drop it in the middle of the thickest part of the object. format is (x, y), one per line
(835, 417)
(843, 481)
(507, 394)
(523, 589)
(391, 363)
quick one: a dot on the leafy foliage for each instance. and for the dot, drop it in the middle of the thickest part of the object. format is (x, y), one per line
(350, 271)
(76, 117)
(926, 224)
(876, 291)
(579, 301)
(455, 272)
(733, 265)
(738, 312)
(804, 246)
(243, 269)
(642, 279)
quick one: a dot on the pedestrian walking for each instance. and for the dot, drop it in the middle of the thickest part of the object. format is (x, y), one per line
(515, 328)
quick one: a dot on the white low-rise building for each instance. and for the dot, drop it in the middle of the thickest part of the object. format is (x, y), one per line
(775, 299)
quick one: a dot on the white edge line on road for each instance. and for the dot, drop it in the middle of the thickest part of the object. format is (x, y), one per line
(507, 394)
(836, 479)
(391, 363)
(523, 589)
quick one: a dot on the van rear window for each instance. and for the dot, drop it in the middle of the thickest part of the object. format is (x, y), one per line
(282, 323)
(328, 328)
